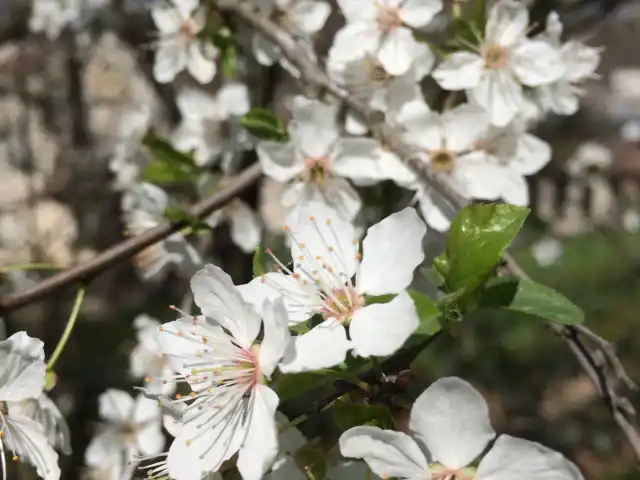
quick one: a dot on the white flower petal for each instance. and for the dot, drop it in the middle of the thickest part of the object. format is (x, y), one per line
(115, 406)
(202, 67)
(560, 97)
(218, 298)
(358, 159)
(423, 127)
(431, 213)
(309, 15)
(460, 71)
(537, 63)
(234, 99)
(356, 39)
(279, 161)
(314, 130)
(260, 446)
(321, 347)
(22, 371)
(150, 439)
(515, 189)
(507, 23)
(500, 95)
(357, 11)
(26, 438)
(318, 232)
(246, 231)
(532, 155)
(186, 7)
(453, 420)
(195, 102)
(342, 197)
(463, 126)
(391, 251)
(475, 176)
(397, 51)
(418, 13)
(511, 458)
(276, 336)
(208, 447)
(171, 58)
(300, 302)
(104, 449)
(168, 20)
(581, 60)
(388, 453)
(381, 329)
(44, 411)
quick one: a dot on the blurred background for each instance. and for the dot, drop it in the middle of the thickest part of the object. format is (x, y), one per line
(65, 102)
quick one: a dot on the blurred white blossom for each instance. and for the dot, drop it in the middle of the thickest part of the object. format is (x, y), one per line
(179, 47)
(506, 60)
(547, 251)
(146, 360)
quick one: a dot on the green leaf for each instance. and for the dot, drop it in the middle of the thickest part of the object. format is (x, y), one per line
(169, 165)
(293, 384)
(529, 297)
(476, 241)
(371, 299)
(348, 415)
(259, 268)
(264, 124)
(428, 312)
(175, 214)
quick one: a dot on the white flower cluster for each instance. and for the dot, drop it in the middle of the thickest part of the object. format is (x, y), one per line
(31, 425)
(228, 355)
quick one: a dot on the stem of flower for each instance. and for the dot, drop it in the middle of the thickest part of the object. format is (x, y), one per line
(30, 266)
(67, 330)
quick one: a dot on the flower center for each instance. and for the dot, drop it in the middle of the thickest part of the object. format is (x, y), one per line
(378, 75)
(316, 170)
(440, 472)
(495, 56)
(341, 304)
(388, 17)
(128, 433)
(188, 28)
(442, 161)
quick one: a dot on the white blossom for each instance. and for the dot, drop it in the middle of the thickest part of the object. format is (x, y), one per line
(366, 80)
(316, 161)
(207, 126)
(519, 154)
(326, 258)
(22, 377)
(244, 224)
(146, 360)
(132, 427)
(547, 251)
(232, 409)
(383, 29)
(494, 74)
(588, 158)
(449, 428)
(179, 47)
(302, 18)
(452, 144)
(581, 61)
(143, 207)
(52, 16)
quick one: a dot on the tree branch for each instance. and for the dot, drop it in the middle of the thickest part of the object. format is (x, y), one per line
(600, 361)
(129, 247)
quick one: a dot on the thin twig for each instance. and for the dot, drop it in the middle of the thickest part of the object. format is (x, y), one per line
(601, 363)
(128, 248)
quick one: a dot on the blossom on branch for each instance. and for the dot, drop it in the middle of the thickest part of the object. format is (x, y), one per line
(328, 279)
(494, 73)
(179, 46)
(449, 430)
(231, 408)
(22, 377)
